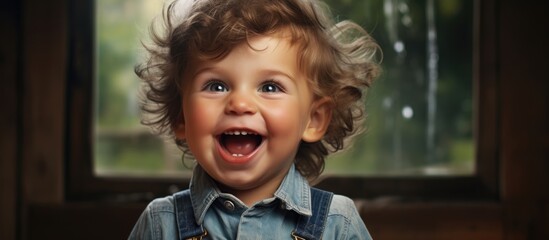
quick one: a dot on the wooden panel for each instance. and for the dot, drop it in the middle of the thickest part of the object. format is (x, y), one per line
(9, 120)
(426, 221)
(525, 93)
(524, 118)
(486, 95)
(82, 221)
(45, 43)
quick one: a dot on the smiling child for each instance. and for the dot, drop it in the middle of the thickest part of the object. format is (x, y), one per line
(258, 92)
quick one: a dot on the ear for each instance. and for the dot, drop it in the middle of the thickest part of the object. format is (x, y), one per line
(319, 120)
(179, 131)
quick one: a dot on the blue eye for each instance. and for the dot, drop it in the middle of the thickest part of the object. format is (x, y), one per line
(215, 86)
(271, 87)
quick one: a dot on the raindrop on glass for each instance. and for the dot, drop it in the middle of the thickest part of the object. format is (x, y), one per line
(407, 112)
(398, 46)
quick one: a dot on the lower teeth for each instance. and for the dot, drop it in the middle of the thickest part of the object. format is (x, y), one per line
(237, 155)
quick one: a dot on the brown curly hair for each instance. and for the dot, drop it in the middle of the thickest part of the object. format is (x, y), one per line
(338, 58)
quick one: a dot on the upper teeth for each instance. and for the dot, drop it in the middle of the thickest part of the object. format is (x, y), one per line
(240, 133)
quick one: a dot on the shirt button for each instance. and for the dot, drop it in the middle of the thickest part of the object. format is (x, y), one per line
(228, 205)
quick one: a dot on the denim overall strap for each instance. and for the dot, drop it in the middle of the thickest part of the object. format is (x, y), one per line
(188, 228)
(311, 228)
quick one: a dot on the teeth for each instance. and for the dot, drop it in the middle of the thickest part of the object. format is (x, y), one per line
(237, 155)
(240, 133)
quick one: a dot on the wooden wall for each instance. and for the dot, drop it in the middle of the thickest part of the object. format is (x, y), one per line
(33, 66)
(524, 89)
(9, 118)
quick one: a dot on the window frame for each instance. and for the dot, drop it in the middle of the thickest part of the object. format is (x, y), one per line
(83, 185)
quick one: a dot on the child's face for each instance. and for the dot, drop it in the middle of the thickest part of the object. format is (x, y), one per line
(244, 116)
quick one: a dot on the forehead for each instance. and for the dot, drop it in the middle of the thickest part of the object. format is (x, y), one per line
(269, 51)
(278, 45)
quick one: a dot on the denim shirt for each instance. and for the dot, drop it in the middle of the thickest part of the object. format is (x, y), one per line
(226, 217)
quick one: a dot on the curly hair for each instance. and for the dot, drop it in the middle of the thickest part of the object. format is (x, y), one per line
(339, 60)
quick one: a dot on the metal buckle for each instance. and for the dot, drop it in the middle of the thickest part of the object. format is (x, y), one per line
(199, 237)
(296, 237)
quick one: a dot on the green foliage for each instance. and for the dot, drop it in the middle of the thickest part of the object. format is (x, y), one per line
(120, 144)
(394, 143)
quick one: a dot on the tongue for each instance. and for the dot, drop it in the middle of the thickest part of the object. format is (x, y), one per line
(240, 144)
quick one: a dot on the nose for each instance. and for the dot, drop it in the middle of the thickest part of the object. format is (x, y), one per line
(240, 103)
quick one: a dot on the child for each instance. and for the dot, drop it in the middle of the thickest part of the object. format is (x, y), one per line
(259, 92)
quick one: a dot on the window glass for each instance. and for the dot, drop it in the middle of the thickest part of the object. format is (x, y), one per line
(419, 111)
(122, 144)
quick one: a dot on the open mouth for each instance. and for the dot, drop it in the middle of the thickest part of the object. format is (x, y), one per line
(240, 143)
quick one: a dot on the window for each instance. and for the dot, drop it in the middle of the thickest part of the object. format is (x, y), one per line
(420, 109)
(420, 112)
(121, 144)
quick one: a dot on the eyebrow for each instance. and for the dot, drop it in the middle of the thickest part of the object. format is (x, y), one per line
(263, 71)
(279, 72)
(201, 70)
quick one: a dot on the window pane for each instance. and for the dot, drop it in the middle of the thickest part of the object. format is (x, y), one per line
(122, 144)
(419, 111)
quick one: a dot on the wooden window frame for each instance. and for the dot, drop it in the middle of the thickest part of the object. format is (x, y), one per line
(483, 185)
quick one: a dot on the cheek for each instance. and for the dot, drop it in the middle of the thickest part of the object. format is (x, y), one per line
(197, 119)
(199, 116)
(286, 119)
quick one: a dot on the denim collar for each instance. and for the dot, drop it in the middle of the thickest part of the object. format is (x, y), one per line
(294, 192)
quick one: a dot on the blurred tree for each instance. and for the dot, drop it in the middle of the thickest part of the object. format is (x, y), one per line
(397, 105)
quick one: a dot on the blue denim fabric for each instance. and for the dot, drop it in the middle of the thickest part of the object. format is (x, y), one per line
(226, 217)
